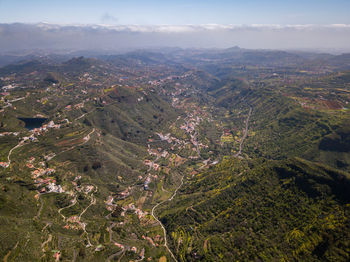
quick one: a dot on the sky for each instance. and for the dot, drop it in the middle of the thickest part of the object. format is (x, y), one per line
(134, 24)
(176, 12)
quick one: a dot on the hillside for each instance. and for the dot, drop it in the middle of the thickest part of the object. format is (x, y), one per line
(289, 210)
(161, 157)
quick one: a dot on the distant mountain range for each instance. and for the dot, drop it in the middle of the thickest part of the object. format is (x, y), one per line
(120, 38)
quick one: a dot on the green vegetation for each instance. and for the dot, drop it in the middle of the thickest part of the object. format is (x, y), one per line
(290, 210)
(236, 161)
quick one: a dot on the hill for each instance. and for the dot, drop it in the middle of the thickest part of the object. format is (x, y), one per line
(175, 155)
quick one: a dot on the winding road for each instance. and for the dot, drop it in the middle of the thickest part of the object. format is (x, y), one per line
(41, 207)
(21, 143)
(164, 230)
(245, 133)
(73, 203)
(79, 117)
(92, 202)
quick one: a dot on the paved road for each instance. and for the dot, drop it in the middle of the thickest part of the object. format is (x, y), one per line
(21, 143)
(245, 132)
(164, 230)
(73, 203)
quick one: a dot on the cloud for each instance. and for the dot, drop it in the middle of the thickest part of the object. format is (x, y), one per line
(119, 37)
(179, 28)
(107, 18)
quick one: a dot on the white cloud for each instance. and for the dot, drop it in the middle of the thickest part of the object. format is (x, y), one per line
(102, 36)
(188, 28)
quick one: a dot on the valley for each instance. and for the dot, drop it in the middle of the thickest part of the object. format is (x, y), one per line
(171, 157)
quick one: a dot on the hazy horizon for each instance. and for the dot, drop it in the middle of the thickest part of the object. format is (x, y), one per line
(128, 25)
(75, 37)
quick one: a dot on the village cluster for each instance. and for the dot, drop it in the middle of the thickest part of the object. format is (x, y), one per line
(160, 158)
